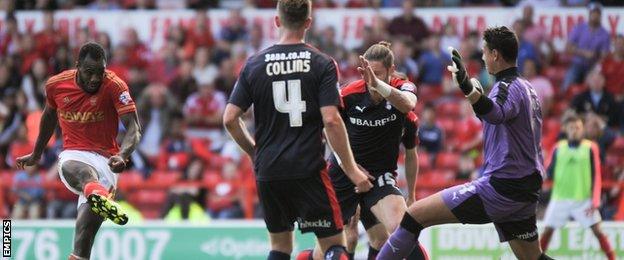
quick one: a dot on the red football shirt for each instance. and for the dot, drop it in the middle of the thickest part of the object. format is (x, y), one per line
(89, 122)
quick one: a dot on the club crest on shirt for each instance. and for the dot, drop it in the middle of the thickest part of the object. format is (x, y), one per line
(66, 100)
(125, 98)
(93, 101)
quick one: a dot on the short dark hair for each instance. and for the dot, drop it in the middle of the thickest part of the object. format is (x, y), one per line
(294, 13)
(93, 50)
(502, 40)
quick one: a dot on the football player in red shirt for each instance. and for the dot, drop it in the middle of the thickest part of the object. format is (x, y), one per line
(88, 102)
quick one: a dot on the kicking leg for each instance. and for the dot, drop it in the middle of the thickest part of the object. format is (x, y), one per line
(423, 213)
(87, 226)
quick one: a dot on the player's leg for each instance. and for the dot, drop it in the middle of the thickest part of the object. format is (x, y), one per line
(604, 241)
(526, 250)
(277, 207)
(87, 226)
(334, 247)
(281, 245)
(545, 238)
(423, 213)
(557, 214)
(522, 237)
(377, 236)
(80, 176)
(389, 211)
(590, 218)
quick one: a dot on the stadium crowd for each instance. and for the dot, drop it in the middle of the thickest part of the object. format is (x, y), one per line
(187, 167)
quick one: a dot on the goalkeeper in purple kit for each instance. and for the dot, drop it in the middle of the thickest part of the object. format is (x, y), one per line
(507, 193)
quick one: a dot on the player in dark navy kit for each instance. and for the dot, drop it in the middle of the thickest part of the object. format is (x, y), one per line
(507, 193)
(374, 110)
(293, 88)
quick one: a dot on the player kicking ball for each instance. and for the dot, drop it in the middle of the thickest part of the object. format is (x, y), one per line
(88, 103)
(576, 172)
(507, 193)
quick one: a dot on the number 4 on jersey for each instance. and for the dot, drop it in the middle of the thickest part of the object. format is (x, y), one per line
(294, 106)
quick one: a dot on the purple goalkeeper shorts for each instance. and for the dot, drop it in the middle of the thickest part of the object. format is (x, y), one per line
(478, 202)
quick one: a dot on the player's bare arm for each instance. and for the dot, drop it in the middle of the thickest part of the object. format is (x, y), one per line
(236, 128)
(336, 134)
(131, 139)
(404, 101)
(411, 172)
(47, 125)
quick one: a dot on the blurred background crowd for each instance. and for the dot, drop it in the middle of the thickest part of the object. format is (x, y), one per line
(186, 167)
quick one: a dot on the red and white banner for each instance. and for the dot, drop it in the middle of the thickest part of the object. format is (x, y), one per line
(349, 23)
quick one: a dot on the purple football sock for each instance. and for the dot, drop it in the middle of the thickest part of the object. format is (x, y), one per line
(399, 245)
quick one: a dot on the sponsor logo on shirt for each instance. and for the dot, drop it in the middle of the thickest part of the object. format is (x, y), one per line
(125, 98)
(373, 123)
(408, 86)
(321, 223)
(81, 117)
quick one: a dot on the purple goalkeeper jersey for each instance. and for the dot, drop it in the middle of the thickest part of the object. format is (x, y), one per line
(513, 128)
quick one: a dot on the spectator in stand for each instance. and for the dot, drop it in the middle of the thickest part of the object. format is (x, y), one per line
(176, 151)
(540, 3)
(596, 130)
(184, 84)
(235, 28)
(588, 42)
(596, 99)
(433, 62)
(468, 135)
(256, 41)
(227, 77)
(466, 170)
(104, 5)
(526, 50)
(224, 200)
(203, 67)
(541, 84)
(450, 37)
(27, 185)
(9, 36)
(137, 52)
(613, 69)
(536, 34)
(203, 112)
(368, 39)
(409, 24)
(28, 54)
(329, 45)
(62, 60)
(155, 107)
(48, 39)
(430, 135)
(33, 85)
(185, 202)
(403, 58)
(200, 35)
(164, 67)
